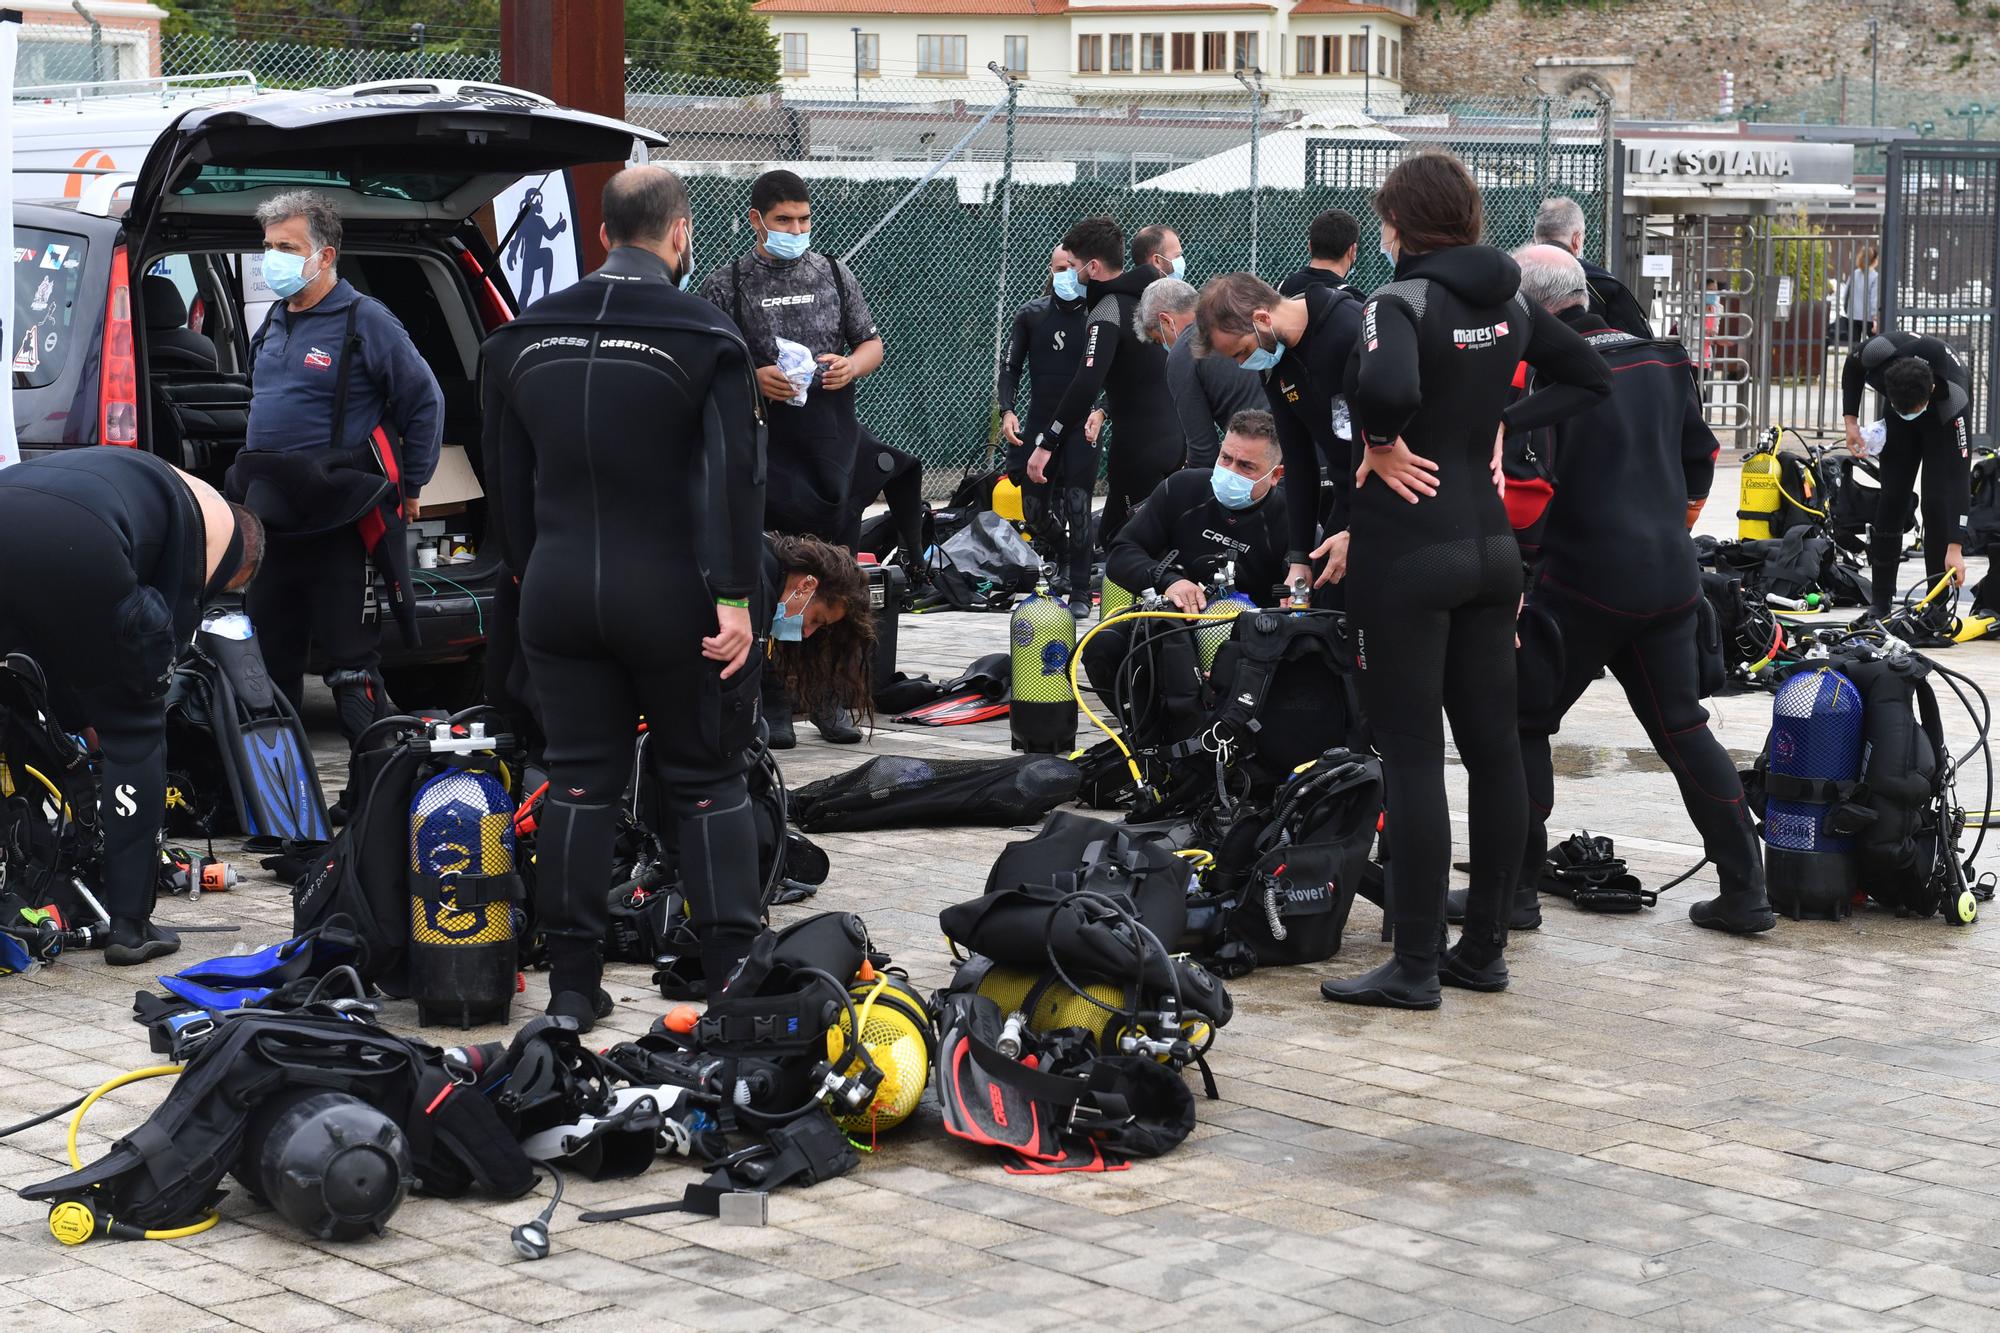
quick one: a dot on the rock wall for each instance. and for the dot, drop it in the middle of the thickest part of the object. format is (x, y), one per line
(1789, 53)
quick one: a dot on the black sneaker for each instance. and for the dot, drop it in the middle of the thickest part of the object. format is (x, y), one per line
(137, 940)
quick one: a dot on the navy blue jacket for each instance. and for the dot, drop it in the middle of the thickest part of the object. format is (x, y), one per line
(296, 366)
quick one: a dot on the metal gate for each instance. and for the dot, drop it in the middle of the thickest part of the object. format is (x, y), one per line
(1941, 257)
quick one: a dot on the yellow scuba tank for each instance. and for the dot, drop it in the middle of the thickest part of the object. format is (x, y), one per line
(1757, 492)
(1046, 1004)
(1041, 710)
(896, 1030)
(1223, 600)
(1007, 499)
(1112, 598)
(463, 950)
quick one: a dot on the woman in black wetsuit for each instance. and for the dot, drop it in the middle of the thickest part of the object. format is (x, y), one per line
(1433, 574)
(1047, 342)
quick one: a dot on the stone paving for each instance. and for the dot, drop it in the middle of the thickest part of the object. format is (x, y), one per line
(1656, 1126)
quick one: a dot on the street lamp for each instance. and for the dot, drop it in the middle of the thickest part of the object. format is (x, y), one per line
(417, 35)
(1367, 65)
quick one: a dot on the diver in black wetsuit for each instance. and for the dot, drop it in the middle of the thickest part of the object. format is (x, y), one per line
(111, 554)
(1617, 578)
(1433, 574)
(1926, 386)
(1301, 344)
(625, 464)
(1130, 372)
(1047, 341)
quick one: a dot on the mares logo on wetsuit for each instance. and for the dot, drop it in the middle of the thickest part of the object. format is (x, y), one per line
(1476, 340)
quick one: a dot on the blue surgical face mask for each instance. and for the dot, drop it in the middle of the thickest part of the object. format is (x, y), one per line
(791, 628)
(1263, 358)
(1388, 254)
(1068, 286)
(787, 244)
(285, 274)
(687, 258)
(1233, 489)
(1912, 416)
(1180, 267)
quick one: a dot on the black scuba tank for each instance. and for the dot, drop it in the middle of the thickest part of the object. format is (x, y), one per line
(328, 1162)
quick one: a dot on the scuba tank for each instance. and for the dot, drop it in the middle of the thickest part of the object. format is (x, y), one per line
(1757, 494)
(1007, 499)
(1112, 598)
(1041, 713)
(1815, 760)
(463, 950)
(1223, 600)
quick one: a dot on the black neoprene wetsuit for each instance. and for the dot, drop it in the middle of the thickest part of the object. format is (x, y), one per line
(1183, 532)
(1612, 301)
(1937, 442)
(105, 553)
(1047, 342)
(1618, 581)
(1307, 392)
(625, 462)
(1433, 586)
(1146, 444)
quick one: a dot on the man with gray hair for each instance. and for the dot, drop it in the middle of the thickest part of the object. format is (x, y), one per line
(1560, 222)
(1616, 586)
(345, 425)
(1207, 391)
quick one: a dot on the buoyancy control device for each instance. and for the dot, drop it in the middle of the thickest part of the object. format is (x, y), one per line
(1041, 717)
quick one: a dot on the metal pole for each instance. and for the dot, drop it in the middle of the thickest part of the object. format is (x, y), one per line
(96, 40)
(1367, 65)
(1006, 213)
(857, 62)
(1874, 69)
(1253, 81)
(1542, 152)
(417, 31)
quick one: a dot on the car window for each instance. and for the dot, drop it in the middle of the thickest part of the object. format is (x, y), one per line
(48, 273)
(419, 186)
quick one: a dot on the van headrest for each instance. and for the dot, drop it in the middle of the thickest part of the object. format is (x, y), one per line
(164, 307)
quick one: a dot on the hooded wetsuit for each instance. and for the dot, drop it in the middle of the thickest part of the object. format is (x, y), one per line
(1183, 532)
(1618, 582)
(1938, 442)
(1433, 586)
(1613, 302)
(625, 464)
(1307, 393)
(105, 552)
(1047, 341)
(1131, 373)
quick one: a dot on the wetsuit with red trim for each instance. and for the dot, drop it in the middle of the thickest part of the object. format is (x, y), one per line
(1618, 582)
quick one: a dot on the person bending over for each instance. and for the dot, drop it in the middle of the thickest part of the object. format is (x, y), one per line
(1926, 429)
(1208, 391)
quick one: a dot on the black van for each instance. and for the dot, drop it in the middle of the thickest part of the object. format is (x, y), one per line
(134, 329)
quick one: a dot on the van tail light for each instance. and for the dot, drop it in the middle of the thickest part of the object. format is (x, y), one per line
(493, 311)
(118, 390)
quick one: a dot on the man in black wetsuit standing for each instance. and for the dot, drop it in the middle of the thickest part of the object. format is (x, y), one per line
(1560, 223)
(625, 465)
(1047, 343)
(1130, 372)
(783, 290)
(1333, 243)
(1617, 578)
(1301, 345)
(111, 554)
(1926, 387)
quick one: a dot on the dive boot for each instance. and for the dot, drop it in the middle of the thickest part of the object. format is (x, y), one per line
(138, 940)
(1461, 966)
(779, 725)
(835, 726)
(1400, 983)
(1738, 913)
(583, 1009)
(1525, 913)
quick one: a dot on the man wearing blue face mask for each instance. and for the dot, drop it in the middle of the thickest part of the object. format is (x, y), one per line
(785, 292)
(1160, 248)
(1929, 400)
(1195, 524)
(345, 424)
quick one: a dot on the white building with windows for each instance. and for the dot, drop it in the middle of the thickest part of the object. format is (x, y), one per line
(1119, 49)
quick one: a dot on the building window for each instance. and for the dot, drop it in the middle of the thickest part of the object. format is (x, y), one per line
(1396, 61)
(795, 53)
(1152, 52)
(1017, 55)
(1307, 57)
(1215, 50)
(1357, 55)
(1183, 52)
(940, 54)
(1246, 51)
(868, 53)
(1121, 53)
(1090, 54)
(1329, 48)
(1381, 56)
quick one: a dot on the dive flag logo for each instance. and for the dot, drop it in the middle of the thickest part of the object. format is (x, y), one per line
(318, 360)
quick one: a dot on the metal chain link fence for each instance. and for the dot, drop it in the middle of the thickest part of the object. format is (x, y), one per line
(946, 198)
